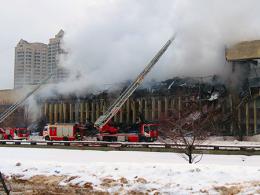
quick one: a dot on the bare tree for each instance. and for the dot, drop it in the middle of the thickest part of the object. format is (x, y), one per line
(190, 127)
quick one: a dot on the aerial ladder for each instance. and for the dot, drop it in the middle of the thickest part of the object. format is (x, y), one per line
(116, 106)
(12, 108)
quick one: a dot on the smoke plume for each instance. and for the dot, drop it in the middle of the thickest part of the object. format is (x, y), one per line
(116, 39)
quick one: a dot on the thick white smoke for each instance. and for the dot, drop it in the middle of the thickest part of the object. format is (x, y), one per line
(117, 39)
(114, 40)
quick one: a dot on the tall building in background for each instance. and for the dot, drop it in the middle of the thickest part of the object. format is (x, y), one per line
(30, 63)
(35, 61)
(54, 53)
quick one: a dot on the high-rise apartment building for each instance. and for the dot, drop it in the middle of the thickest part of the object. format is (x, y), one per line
(54, 53)
(35, 61)
(30, 63)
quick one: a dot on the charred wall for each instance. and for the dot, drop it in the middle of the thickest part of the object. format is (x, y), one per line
(151, 104)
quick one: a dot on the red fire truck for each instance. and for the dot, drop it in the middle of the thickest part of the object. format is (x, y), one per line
(142, 132)
(15, 133)
(62, 132)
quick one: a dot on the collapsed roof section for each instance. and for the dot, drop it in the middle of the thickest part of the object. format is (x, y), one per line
(208, 89)
(204, 88)
(247, 50)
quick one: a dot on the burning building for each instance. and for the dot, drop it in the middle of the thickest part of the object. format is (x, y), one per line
(150, 104)
(236, 99)
(243, 59)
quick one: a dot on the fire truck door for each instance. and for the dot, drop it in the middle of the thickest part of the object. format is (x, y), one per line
(53, 131)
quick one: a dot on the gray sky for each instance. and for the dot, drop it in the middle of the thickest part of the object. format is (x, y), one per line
(111, 41)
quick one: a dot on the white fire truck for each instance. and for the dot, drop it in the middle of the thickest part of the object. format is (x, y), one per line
(62, 132)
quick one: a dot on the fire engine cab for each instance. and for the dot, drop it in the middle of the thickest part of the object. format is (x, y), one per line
(62, 132)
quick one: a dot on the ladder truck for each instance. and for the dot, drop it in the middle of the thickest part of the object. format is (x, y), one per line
(140, 132)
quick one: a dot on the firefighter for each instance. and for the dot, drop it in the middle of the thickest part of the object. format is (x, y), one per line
(78, 135)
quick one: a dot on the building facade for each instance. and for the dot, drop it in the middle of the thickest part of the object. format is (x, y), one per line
(35, 61)
(54, 53)
(30, 63)
(81, 110)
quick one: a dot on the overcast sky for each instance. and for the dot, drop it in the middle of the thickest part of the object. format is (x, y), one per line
(116, 38)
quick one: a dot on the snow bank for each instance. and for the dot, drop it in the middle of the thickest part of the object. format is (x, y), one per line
(164, 172)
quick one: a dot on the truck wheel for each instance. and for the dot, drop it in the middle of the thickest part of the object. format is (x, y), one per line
(114, 139)
(47, 138)
(105, 139)
(66, 139)
(148, 139)
(142, 139)
(108, 139)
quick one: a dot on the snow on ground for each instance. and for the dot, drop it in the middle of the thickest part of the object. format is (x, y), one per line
(232, 141)
(251, 141)
(124, 171)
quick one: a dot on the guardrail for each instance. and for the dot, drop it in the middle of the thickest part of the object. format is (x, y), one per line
(130, 145)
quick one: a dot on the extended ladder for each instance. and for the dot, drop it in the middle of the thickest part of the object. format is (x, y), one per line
(115, 107)
(12, 108)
